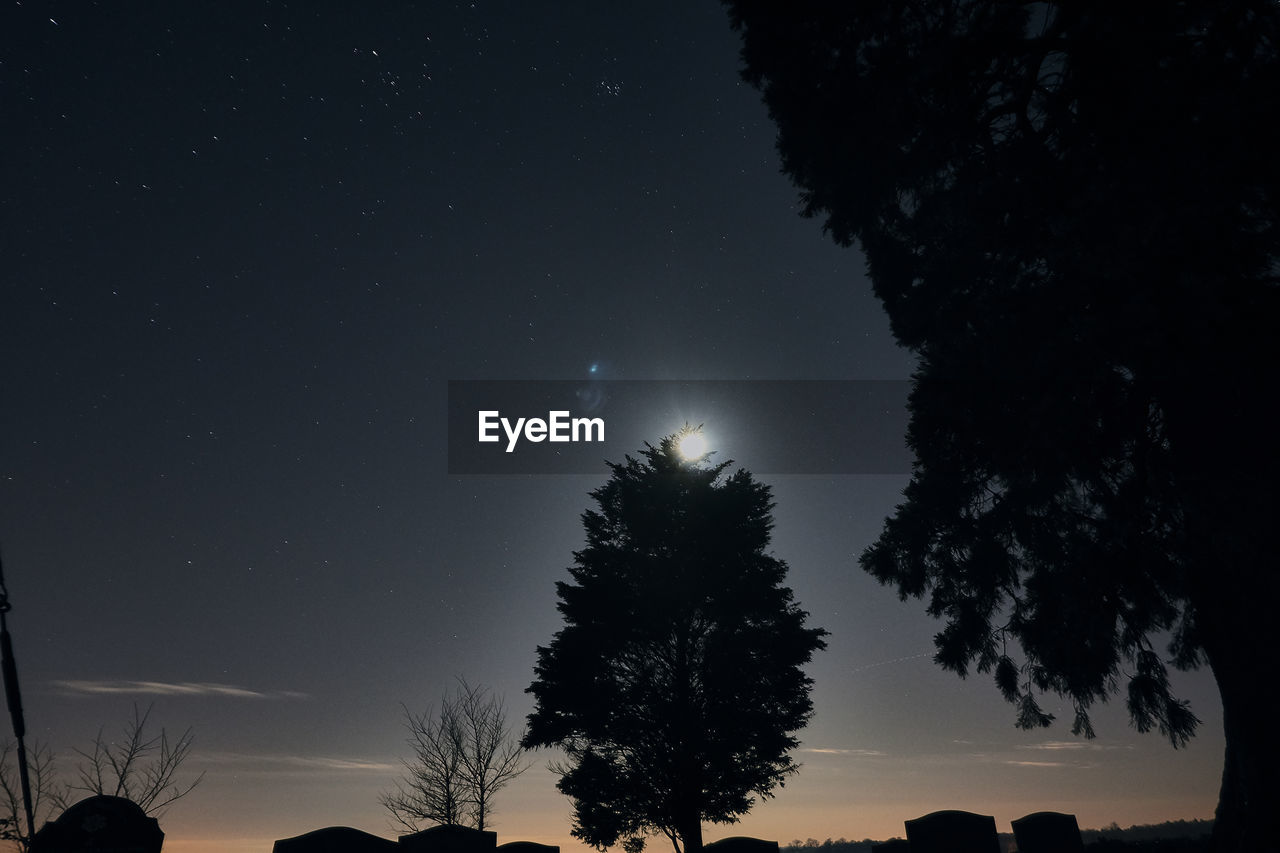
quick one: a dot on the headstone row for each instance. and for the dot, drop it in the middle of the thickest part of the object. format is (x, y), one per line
(458, 839)
(437, 839)
(115, 825)
(953, 831)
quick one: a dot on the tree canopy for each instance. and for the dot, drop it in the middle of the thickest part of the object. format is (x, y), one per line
(675, 686)
(1069, 212)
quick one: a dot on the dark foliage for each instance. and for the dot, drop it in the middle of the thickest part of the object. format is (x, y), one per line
(675, 685)
(839, 845)
(1165, 845)
(1069, 212)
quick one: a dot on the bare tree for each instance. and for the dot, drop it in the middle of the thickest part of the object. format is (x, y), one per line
(136, 767)
(492, 757)
(47, 794)
(433, 788)
(463, 754)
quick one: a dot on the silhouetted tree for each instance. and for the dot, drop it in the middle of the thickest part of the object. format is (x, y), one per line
(432, 789)
(46, 795)
(492, 756)
(136, 766)
(1069, 213)
(463, 754)
(675, 685)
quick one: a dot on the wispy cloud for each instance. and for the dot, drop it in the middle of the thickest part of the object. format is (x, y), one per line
(1073, 746)
(173, 688)
(268, 762)
(1039, 763)
(829, 751)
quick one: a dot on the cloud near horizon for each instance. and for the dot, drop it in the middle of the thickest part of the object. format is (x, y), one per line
(814, 750)
(1056, 745)
(1043, 764)
(173, 688)
(268, 762)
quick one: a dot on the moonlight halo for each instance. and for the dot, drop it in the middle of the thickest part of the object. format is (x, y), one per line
(692, 444)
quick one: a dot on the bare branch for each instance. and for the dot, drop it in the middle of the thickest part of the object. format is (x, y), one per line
(136, 767)
(433, 789)
(463, 755)
(47, 795)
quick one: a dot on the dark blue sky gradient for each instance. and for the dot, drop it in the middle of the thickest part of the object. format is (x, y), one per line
(243, 248)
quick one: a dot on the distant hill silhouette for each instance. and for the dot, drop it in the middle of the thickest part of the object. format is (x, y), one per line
(1172, 830)
(1175, 836)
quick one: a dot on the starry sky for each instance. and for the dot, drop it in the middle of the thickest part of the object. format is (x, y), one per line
(244, 249)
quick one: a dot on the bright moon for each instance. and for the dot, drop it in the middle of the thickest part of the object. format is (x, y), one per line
(693, 445)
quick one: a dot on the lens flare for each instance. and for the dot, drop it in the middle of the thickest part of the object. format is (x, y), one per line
(692, 445)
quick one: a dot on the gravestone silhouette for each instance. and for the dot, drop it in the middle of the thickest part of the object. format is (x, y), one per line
(335, 839)
(100, 824)
(1048, 832)
(953, 831)
(741, 844)
(449, 839)
(527, 847)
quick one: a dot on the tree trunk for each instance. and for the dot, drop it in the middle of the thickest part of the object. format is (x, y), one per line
(1235, 598)
(1228, 472)
(1245, 818)
(690, 832)
(688, 805)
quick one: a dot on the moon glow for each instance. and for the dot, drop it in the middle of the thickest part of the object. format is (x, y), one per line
(692, 445)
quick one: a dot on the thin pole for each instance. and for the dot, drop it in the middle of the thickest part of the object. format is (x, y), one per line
(15, 702)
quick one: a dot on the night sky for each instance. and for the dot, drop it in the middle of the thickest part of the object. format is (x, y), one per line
(243, 249)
